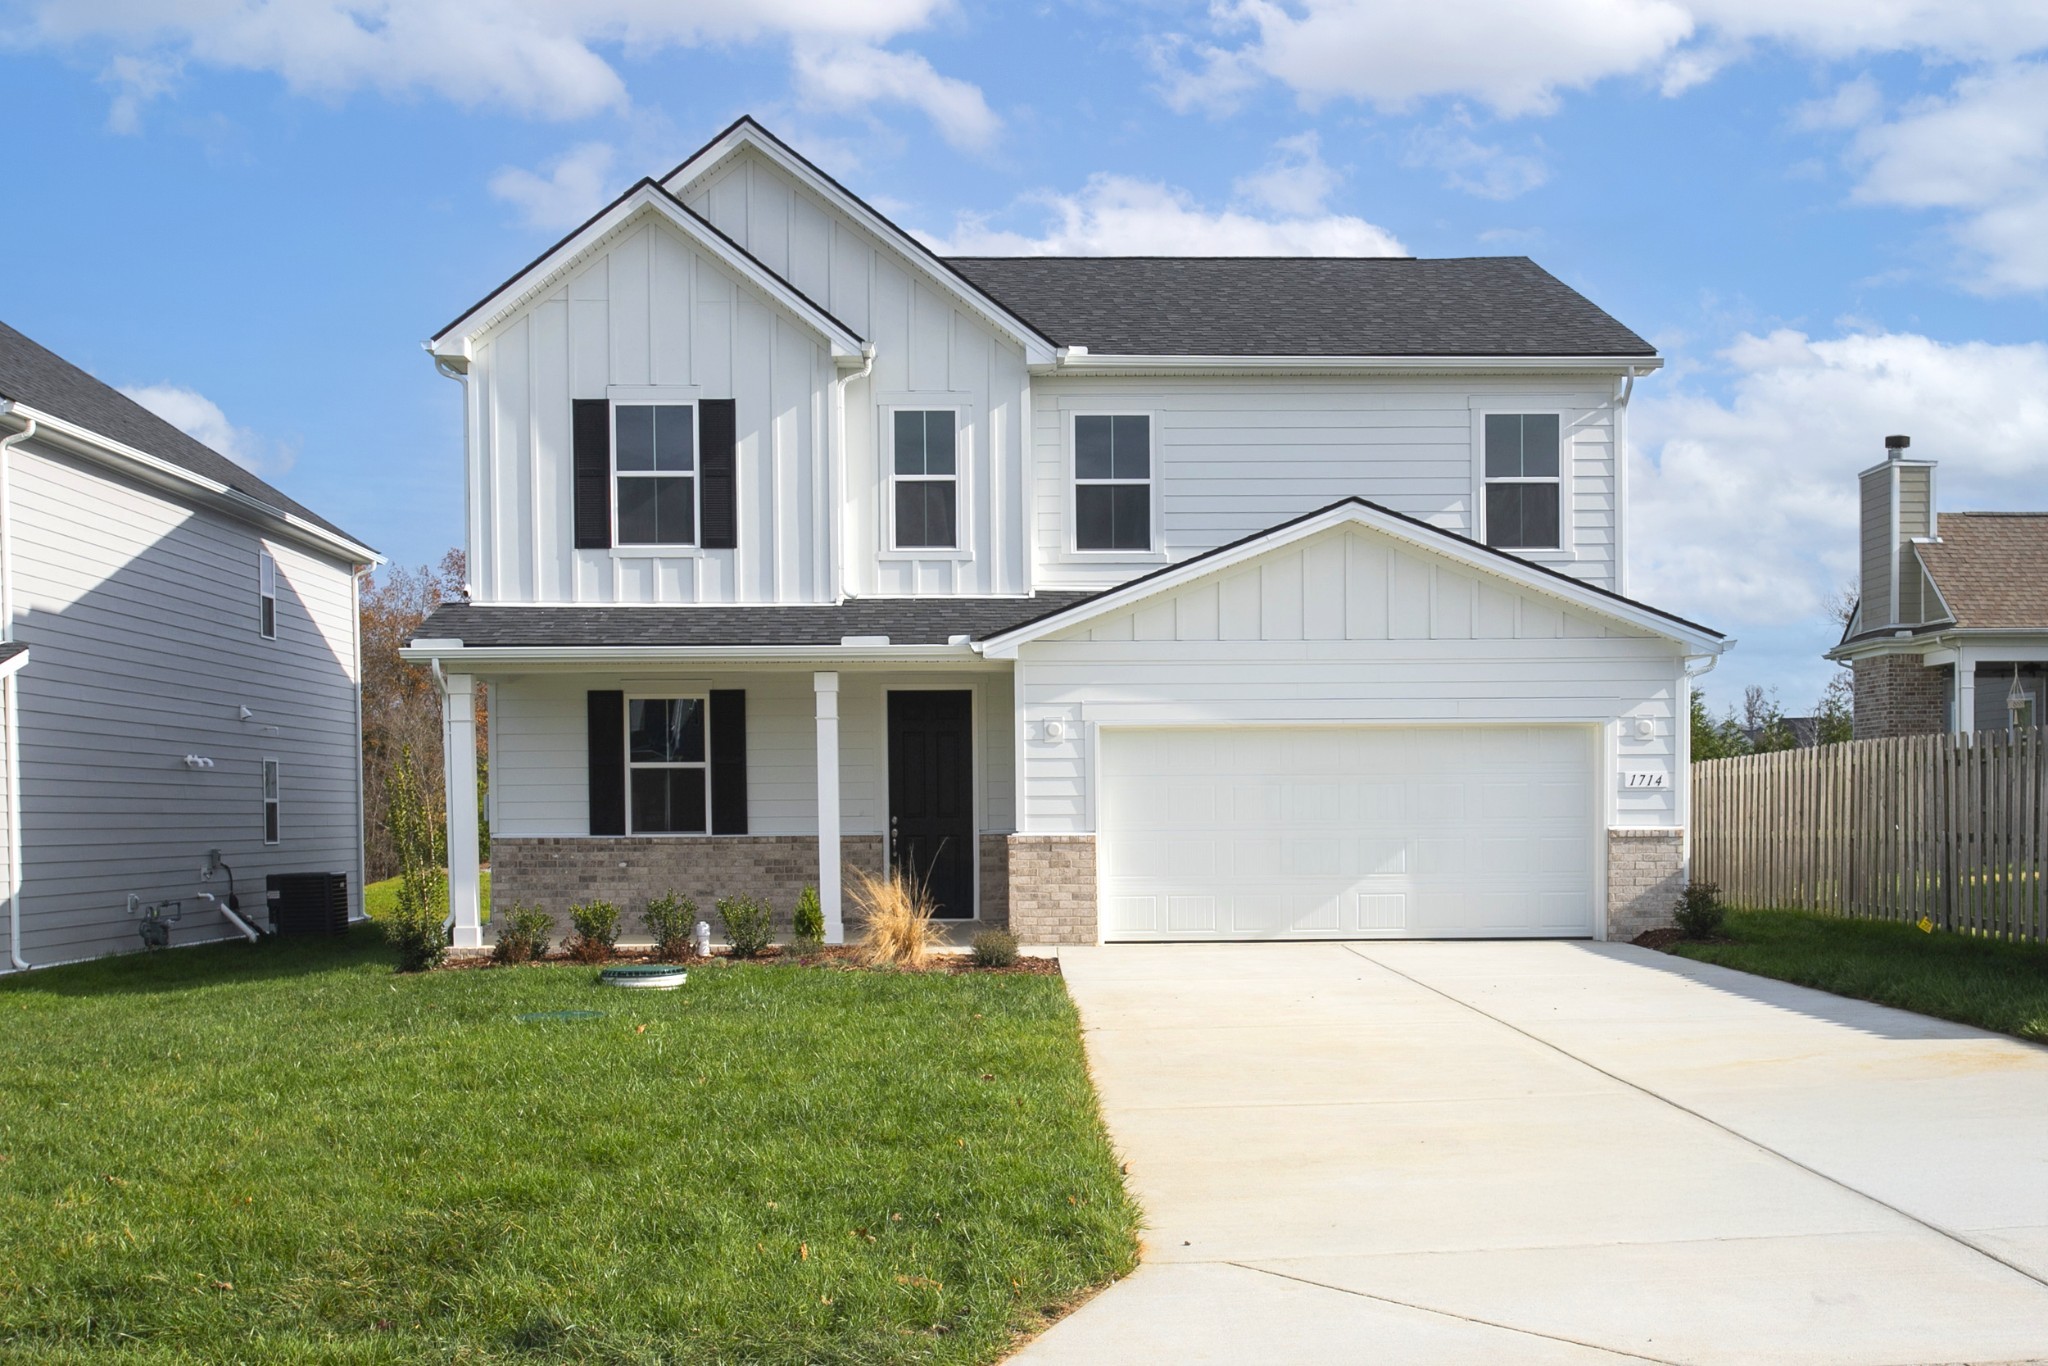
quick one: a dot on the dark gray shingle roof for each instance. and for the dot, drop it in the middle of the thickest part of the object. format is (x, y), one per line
(906, 621)
(44, 380)
(1301, 306)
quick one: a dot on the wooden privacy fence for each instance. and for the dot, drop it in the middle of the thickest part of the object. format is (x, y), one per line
(1950, 827)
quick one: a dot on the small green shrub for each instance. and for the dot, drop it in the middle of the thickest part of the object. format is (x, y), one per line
(749, 925)
(669, 919)
(597, 931)
(807, 924)
(1699, 911)
(995, 949)
(524, 936)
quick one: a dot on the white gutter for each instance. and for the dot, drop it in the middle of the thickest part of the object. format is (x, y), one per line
(1078, 360)
(84, 441)
(10, 693)
(433, 652)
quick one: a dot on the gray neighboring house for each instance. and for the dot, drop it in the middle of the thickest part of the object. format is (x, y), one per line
(181, 676)
(1950, 631)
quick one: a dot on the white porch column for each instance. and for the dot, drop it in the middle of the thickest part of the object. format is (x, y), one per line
(827, 687)
(458, 770)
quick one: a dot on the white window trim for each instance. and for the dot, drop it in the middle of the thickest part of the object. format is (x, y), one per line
(640, 396)
(963, 465)
(1566, 549)
(676, 694)
(1070, 497)
(266, 592)
(273, 780)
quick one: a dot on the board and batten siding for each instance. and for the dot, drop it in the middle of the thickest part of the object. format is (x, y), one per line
(929, 352)
(1347, 627)
(140, 614)
(539, 740)
(1234, 455)
(649, 310)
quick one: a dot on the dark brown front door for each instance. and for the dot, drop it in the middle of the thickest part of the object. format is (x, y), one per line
(931, 795)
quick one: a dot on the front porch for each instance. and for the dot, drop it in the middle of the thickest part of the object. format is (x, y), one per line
(736, 779)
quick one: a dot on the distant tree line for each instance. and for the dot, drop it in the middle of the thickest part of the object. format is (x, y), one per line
(401, 705)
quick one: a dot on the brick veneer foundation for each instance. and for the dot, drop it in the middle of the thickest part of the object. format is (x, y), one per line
(556, 873)
(1645, 874)
(1898, 695)
(1052, 888)
(995, 881)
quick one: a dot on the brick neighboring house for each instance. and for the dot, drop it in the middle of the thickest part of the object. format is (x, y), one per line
(1950, 631)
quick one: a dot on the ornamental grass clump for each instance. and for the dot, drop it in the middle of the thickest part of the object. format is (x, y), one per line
(1699, 911)
(669, 919)
(897, 914)
(597, 931)
(807, 924)
(749, 925)
(524, 935)
(417, 925)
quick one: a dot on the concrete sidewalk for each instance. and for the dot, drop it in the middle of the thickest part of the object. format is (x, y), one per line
(1429, 1152)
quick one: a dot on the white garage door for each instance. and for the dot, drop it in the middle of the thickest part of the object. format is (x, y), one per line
(1346, 832)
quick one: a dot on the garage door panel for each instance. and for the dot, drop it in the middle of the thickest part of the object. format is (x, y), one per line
(1346, 831)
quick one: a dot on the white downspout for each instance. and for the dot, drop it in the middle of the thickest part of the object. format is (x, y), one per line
(1627, 391)
(10, 695)
(234, 919)
(836, 523)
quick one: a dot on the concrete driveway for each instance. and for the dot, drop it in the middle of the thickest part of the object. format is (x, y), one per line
(1538, 1152)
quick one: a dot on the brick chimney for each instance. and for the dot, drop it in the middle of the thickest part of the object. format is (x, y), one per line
(1898, 506)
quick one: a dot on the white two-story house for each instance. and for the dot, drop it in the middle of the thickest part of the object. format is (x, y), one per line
(1119, 599)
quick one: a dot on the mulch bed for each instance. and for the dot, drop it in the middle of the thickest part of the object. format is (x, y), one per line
(845, 957)
(1668, 935)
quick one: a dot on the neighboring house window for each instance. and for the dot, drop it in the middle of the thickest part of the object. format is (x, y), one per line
(1112, 482)
(654, 462)
(1522, 484)
(266, 595)
(669, 780)
(927, 480)
(270, 825)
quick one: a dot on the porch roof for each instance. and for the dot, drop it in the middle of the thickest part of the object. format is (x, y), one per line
(904, 621)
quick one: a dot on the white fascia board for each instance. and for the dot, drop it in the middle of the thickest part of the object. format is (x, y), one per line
(645, 199)
(1038, 349)
(174, 478)
(1901, 463)
(1072, 362)
(453, 654)
(1701, 642)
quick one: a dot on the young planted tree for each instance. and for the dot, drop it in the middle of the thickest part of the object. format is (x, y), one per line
(419, 842)
(401, 708)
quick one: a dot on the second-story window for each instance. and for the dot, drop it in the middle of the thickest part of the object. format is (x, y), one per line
(1522, 483)
(654, 463)
(266, 595)
(927, 479)
(1112, 482)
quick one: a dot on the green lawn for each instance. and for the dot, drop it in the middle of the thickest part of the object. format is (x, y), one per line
(284, 1152)
(381, 898)
(1971, 979)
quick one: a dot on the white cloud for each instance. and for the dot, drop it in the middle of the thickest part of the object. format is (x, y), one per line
(574, 186)
(1981, 153)
(1279, 211)
(200, 418)
(534, 57)
(857, 75)
(1479, 168)
(137, 81)
(1518, 56)
(1744, 509)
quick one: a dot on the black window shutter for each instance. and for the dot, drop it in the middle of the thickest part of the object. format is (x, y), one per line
(607, 762)
(718, 427)
(728, 762)
(591, 436)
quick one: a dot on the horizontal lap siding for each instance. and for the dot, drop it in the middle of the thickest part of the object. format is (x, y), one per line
(539, 756)
(1236, 455)
(140, 616)
(927, 349)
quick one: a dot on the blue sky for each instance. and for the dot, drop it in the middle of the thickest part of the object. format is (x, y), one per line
(1830, 215)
